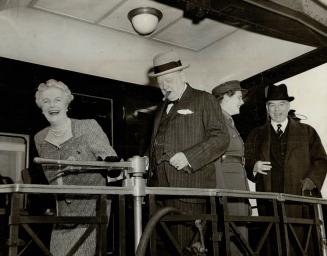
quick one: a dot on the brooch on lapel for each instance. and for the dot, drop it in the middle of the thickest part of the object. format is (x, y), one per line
(185, 111)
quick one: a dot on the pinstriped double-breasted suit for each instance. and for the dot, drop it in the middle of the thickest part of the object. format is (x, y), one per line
(196, 127)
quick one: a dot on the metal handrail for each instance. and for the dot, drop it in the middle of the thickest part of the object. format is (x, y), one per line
(135, 185)
(109, 190)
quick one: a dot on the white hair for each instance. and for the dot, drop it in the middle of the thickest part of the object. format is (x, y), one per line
(52, 83)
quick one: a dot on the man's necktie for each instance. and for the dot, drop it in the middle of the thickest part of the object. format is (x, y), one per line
(279, 131)
(170, 104)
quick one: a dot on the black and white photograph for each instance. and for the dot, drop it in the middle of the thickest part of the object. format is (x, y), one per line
(160, 127)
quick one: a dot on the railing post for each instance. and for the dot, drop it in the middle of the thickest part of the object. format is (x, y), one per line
(138, 165)
(323, 241)
(122, 225)
(216, 235)
(102, 218)
(13, 226)
(224, 203)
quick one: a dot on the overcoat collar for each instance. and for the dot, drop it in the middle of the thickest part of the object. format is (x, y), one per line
(292, 137)
(266, 142)
(228, 119)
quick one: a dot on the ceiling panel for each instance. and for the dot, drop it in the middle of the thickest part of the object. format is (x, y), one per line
(119, 21)
(88, 10)
(173, 29)
(194, 36)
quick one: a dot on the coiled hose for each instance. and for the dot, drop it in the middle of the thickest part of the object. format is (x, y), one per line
(144, 240)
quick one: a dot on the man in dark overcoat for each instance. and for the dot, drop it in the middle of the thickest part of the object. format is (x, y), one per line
(284, 155)
(189, 135)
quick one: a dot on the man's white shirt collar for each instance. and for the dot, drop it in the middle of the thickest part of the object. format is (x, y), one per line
(171, 105)
(283, 127)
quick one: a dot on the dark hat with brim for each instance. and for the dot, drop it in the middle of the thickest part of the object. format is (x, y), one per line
(223, 88)
(165, 63)
(278, 92)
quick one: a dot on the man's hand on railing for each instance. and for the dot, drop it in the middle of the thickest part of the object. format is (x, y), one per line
(308, 187)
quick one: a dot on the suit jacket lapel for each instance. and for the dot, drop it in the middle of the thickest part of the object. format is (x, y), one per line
(265, 153)
(292, 138)
(157, 120)
(182, 103)
(185, 99)
(265, 149)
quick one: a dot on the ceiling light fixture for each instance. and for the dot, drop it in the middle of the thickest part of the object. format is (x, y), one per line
(145, 19)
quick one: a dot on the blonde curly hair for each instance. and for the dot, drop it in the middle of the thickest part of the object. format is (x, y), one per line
(52, 83)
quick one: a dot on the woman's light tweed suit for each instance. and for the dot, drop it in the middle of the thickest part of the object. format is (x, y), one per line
(88, 142)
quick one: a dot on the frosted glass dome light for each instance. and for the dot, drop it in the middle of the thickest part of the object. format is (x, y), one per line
(144, 19)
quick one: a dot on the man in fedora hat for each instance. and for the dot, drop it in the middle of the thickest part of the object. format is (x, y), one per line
(189, 135)
(284, 155)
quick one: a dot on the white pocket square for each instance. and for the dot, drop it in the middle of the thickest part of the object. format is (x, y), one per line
(185, 111)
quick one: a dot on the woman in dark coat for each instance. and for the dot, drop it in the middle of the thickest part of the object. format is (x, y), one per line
(230, 167)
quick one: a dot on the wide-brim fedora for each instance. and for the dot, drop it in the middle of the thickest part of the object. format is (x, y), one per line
(278, 92)
(233, 85)
(165, 63)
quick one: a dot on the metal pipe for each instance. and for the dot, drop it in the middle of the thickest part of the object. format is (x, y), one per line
(93, 164)
(322, 230)
(138, 183)
(137, 220)
(143, 243)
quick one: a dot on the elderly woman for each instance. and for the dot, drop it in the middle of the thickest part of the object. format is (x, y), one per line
(69, 139)
(230, 167)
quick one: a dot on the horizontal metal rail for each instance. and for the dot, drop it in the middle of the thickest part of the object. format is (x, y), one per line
(108, 190)
(100, 164)
(134, 184)
(135, 192)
